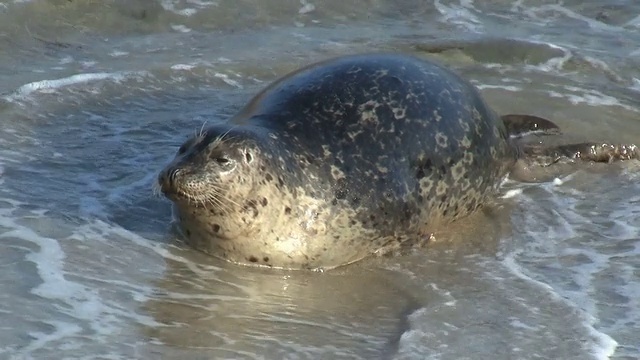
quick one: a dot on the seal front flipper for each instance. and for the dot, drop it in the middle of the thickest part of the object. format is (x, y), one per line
(524, 125)
(596, 152)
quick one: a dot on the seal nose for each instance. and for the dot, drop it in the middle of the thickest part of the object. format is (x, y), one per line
(167, 180)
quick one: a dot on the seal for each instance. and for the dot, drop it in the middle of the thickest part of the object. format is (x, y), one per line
(349, 157)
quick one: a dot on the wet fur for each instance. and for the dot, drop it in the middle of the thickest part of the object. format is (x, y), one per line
(346, 158)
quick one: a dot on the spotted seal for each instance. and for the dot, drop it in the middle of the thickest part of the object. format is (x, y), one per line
(345, 158)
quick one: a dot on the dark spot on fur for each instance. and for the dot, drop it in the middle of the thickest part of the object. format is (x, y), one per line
(215, 228)
(280, 181)
(188, 232)
(287, 210)
(428, 164)
(264, 201)
(334, 202)
(471, 206)
(268, 177)
(248, 157)
(353, 222)
(420, 173)
(253, 259)
(406, 210)
(265, 259)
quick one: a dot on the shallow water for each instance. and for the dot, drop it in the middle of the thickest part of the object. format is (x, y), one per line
(96, 96)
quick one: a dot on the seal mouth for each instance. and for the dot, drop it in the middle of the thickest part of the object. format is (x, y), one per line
(207, 197)
(168, 186)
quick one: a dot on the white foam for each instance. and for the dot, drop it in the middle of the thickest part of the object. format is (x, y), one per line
(202, 3)
(512, 193)
(501, 87)
(593, 23)
(180, 28)
(605, 346)
(104, 317)
(601, 65)
(118, 53)
(66, 60)
(50, 86)
(635, 22)
(461, 15)
(185, 67)
(589, 97)
(549, 243)
(228, 81)
(61, 330)
(307, 7)
(172, 6)
(555, 64)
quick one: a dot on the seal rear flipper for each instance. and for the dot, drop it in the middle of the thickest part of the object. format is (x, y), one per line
(596, 152)
(524, 125)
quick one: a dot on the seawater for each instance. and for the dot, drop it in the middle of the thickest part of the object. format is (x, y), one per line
(96, 97)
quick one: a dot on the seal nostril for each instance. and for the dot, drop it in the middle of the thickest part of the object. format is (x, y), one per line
(173, 174)
(167, 179)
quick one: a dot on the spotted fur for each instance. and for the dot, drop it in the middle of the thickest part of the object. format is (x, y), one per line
(337, 161)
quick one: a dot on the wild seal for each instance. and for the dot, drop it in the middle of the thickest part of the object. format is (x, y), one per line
(346, 158)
